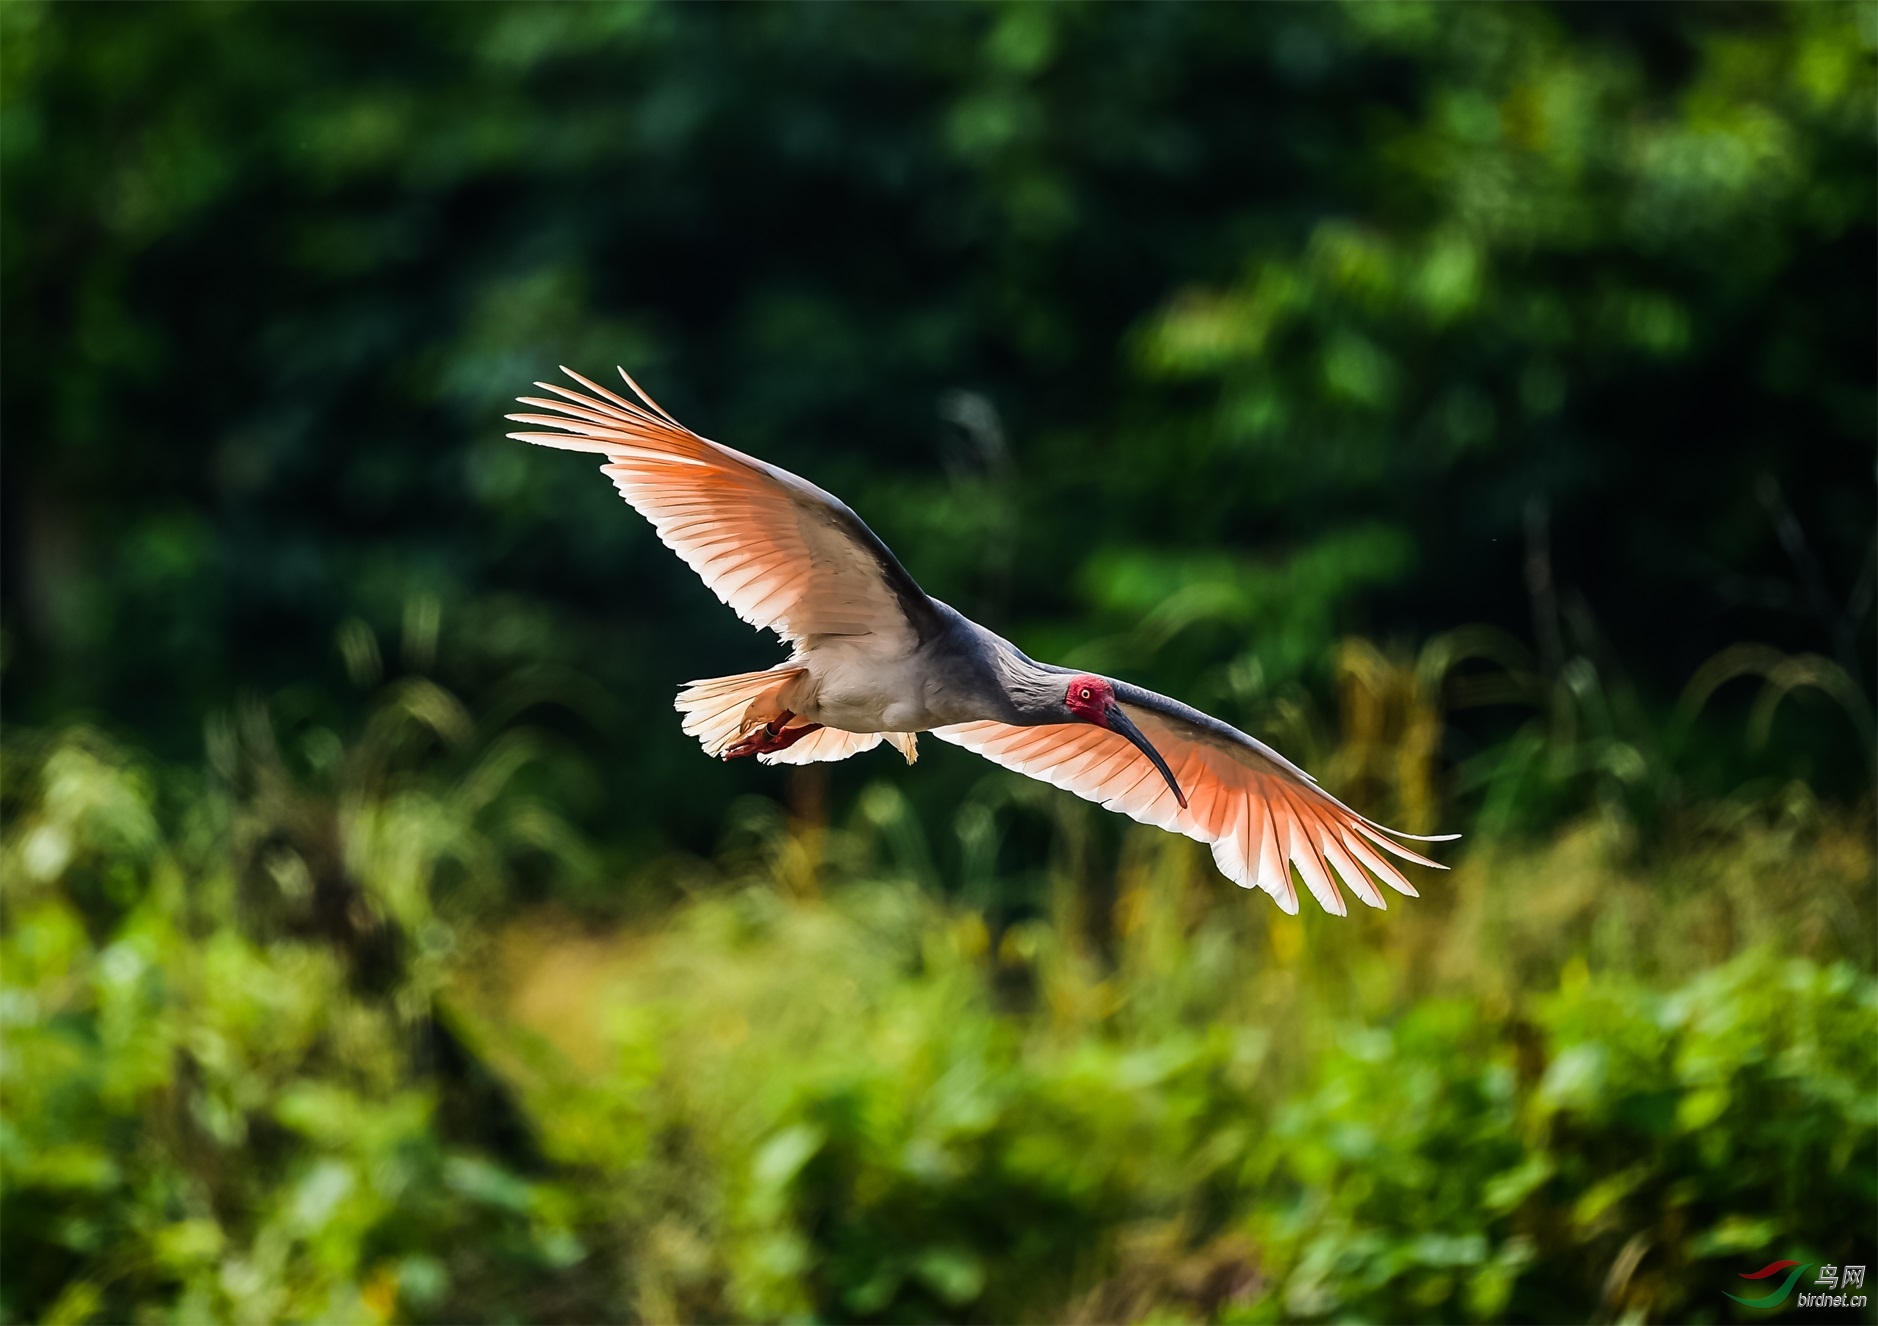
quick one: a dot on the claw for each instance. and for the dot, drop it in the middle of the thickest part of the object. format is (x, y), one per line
(772, 736)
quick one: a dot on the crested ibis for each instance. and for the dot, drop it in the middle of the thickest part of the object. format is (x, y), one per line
(875, 658)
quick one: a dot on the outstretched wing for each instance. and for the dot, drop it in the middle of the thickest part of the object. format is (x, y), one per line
(780, 551)
(1260, 813)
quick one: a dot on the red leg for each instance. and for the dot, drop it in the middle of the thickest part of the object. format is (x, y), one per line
(774, 735)
(790, 736)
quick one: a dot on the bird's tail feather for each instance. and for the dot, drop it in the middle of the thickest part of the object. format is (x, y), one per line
(719, 710)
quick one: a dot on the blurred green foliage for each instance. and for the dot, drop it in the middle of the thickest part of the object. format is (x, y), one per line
(819, 1092)
(1476, 401)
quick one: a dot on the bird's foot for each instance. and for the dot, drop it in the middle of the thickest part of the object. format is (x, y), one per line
(772, 736)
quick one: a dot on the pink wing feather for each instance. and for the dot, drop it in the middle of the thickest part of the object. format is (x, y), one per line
(772, 546)
(1260, 814)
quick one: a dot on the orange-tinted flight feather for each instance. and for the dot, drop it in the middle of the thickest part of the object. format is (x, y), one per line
(1260, 816)
(766, 542)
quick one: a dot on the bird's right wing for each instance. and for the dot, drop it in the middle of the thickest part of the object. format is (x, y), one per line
(781, 552)
(1260, 813)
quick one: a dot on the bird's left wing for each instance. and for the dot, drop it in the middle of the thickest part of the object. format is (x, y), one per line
(1260, 813)
(783, 553)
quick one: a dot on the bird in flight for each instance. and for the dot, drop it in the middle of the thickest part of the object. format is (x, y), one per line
(875, 658)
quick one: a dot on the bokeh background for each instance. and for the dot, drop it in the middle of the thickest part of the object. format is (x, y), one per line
(1476, 401)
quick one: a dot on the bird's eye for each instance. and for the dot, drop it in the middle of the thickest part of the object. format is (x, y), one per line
(1085, 692)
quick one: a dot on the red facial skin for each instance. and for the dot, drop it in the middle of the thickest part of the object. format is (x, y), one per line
(1089, 699)
(1093, 700)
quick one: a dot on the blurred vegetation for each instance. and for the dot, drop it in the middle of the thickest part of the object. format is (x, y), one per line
(1475, 401)
(267, 1060)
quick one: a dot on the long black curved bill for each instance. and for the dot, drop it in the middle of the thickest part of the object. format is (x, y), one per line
(1122, 723)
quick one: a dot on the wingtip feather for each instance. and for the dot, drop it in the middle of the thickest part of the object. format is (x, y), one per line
(1412, 837)
(641, 393)
(593, 386)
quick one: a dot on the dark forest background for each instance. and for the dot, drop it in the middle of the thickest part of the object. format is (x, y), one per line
(1477, 401)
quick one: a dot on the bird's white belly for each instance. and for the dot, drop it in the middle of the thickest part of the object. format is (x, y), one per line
(857, 685)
